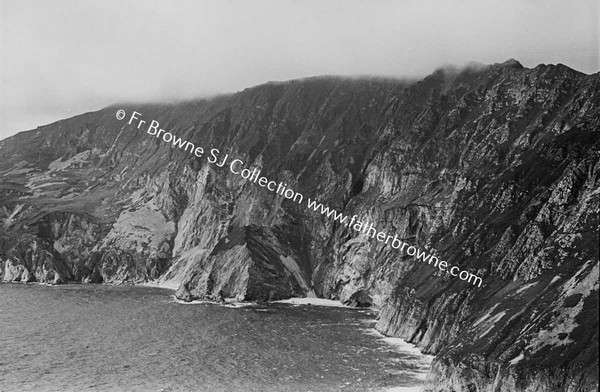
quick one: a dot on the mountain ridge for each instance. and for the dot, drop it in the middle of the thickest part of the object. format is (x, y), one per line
(495, 167)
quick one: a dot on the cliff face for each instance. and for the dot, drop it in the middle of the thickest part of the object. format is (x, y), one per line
(494, 167)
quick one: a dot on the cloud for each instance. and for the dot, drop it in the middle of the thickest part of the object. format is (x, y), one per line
(66, 57)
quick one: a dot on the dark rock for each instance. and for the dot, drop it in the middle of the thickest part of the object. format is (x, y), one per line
(183, 294)
(249, 264)
(359, 299)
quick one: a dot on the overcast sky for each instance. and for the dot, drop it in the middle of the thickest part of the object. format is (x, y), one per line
(61, 58)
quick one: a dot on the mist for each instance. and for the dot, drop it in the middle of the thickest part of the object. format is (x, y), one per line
(63, 58)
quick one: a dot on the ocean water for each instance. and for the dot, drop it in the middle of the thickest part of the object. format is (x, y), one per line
(124, 338)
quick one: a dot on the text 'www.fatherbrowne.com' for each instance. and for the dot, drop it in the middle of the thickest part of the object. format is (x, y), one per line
(237, 167)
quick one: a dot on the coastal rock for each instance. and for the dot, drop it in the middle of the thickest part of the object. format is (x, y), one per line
(30, 259)
(360, 299)
(250, 264)
(183, 294)
(137, 248)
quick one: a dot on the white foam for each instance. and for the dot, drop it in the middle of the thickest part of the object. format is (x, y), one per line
(194, 302)
(402, 345)
(423, 361)
(163, 285)
(405, 389)
(233, 303)
(229, 303)
(312, 301)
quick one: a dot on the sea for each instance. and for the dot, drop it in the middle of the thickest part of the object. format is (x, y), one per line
(138, 338)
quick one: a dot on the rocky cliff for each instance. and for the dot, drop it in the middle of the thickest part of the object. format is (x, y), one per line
(494, 168)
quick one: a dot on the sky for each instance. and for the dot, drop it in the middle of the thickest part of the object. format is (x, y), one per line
(61, 58)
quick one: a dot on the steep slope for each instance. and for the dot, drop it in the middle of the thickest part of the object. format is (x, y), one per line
(494, 169)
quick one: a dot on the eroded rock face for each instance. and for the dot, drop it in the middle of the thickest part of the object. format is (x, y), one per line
(250, 263)
(31, 259)
(359, 299)
(496, 168)
(137, 248)
(73, 237)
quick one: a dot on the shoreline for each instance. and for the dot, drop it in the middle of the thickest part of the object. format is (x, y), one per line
(313, 301)
(394, 343)
(173, 286)
(162, 285)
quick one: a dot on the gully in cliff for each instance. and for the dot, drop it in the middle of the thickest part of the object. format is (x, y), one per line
(236, 166)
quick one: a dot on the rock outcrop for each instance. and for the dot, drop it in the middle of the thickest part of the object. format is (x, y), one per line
(494, 169)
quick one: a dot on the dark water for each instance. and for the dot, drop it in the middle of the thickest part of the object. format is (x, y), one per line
(106, 338)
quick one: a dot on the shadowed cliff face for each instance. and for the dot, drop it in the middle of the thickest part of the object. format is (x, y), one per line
(496, 168)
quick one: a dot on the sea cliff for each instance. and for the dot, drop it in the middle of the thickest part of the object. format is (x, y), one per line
(495, 167)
